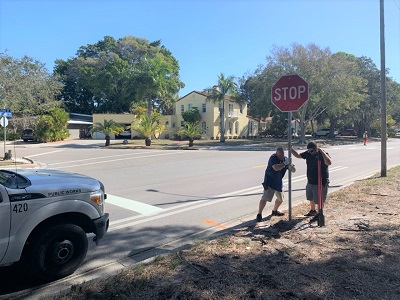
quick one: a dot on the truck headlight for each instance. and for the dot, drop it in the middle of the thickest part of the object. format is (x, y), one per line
(97, 197)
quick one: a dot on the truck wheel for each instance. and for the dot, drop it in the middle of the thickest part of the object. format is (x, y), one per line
(58, 251)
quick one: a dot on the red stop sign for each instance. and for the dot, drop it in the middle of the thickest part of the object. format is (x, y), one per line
(289, 93)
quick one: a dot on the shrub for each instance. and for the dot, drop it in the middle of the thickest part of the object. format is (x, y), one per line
(52, 127)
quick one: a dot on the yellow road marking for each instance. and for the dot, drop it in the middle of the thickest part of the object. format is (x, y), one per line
(260, 166)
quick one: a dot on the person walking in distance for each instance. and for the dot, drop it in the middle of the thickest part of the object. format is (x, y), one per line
(278, 163)
(365, 137)
(312, 155)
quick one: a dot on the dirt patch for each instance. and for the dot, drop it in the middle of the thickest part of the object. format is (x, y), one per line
(355, 256)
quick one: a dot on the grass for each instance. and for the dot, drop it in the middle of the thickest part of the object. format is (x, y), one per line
(256, 143)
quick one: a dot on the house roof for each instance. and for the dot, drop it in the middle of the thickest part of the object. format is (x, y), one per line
(203, 94)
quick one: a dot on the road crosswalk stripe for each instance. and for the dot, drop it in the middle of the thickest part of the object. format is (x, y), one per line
(136, 206)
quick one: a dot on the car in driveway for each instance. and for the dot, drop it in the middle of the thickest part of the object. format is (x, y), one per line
(28, 135)
(324, 132)
(347, 132)
(126, 134)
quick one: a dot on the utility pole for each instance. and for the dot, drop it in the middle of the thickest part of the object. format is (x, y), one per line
(383, 92)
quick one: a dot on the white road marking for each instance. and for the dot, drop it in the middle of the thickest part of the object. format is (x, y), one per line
(101, 157)
(125, 158)
(44, 153)
(220, 198)
(136, 206)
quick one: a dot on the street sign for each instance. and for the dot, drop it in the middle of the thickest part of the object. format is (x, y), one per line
(289, 93)
(6, 112)
(3, 121)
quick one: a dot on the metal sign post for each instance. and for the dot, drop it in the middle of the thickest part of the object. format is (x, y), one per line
(4, 123)
(290, 156)
(288, 94)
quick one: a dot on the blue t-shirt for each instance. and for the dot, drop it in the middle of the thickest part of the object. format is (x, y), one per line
(272, 178)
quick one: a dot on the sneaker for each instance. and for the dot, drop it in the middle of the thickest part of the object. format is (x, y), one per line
(259, 218)
(311, 213)
(277, 213)
(314, 219)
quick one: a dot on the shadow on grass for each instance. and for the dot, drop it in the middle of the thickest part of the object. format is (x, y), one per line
(252, 269)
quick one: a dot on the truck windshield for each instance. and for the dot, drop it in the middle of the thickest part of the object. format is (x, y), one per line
(13, 180)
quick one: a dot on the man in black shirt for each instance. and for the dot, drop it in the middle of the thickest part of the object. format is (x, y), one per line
(312, 155)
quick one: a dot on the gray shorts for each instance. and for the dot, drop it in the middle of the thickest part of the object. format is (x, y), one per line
(312, 192)
(269, 194)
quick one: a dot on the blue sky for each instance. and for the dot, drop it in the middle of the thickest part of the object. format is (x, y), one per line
(207, 37)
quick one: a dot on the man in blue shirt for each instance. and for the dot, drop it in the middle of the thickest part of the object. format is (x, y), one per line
(278, 163)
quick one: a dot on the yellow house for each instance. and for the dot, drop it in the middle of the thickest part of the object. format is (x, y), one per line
(237, 123)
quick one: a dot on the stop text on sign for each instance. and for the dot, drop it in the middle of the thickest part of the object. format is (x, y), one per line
(289, 93)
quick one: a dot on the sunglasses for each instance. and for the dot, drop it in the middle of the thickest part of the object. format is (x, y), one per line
(311, 150)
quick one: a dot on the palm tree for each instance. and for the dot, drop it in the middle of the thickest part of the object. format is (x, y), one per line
(226, 87)
(148, 126)
(108, 127)
(191, 131)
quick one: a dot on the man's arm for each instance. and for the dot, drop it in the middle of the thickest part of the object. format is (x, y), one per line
(326, 157)
(278, 167)
(296, 154)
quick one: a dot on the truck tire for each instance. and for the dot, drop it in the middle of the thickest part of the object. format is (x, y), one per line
(58, 251)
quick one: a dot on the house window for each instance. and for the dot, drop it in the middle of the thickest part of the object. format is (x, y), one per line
(251, 127)
(204, 107)
(182, 108)
(173, 125)
(240, 108)
(230, 108)
(230, 127)
(190, 106)
(167, 124)
(182, 123)
(203, 127)
(236, 128)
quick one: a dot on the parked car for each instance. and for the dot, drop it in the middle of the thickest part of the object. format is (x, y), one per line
(324, 132)
(347, 132)
(28, 135)
(126, 134)
(45, 218)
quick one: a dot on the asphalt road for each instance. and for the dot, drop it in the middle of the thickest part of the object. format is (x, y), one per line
(160, 199)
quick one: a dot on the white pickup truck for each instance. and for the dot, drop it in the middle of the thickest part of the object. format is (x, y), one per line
(45, 216)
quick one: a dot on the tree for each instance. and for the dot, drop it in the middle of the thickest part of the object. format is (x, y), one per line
(191, 130)
(148, 126)
(219, 93)
(192, 115)
(111, 75)
(26, 87)
(52, 126)
(343, 86)
(158, 81)
(335, 86)
(108, 127)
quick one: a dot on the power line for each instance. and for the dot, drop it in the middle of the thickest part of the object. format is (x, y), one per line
(396, 4)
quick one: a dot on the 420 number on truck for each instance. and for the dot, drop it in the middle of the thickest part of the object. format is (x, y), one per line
(45, 216)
